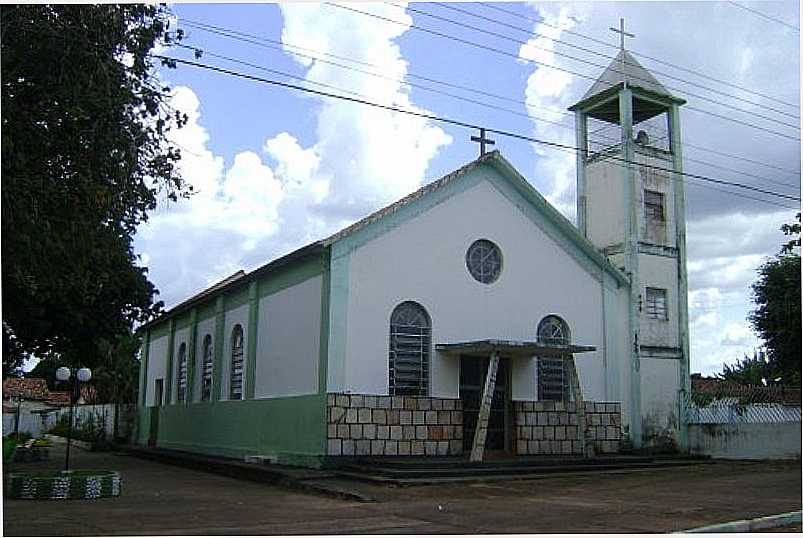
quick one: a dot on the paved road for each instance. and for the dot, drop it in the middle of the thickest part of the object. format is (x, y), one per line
(166, 500)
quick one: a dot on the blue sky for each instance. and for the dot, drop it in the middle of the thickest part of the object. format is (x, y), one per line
(277, 169)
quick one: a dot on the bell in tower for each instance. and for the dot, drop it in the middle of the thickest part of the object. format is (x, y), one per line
(630, 205)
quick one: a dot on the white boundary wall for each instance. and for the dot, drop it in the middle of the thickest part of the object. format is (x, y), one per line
(780, 440)
(36, 424)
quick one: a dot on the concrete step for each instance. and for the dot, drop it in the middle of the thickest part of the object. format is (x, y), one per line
(420, 473)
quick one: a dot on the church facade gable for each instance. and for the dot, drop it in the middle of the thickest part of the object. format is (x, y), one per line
(423, 258)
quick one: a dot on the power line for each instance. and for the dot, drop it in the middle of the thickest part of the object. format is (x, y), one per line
(505, 53)
(281, 46)
(638, 54)
(742, 158)
(591, 51)
(464, 124)
(401, 81)
(249, 38)
(760, 14)
(583, 60)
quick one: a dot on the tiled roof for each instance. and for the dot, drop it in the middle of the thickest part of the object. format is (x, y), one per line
(28, 388)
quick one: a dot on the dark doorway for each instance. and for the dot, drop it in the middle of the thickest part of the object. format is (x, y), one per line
(472, 383)
(158, 395)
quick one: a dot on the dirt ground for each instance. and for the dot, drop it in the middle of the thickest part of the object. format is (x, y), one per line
(160, 499)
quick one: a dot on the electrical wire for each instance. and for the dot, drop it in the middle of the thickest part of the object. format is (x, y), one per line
(759, 13)
(460, 123)
(611, 58)
(610, 67)
(495, 7)
(581, 75)
(282, 46)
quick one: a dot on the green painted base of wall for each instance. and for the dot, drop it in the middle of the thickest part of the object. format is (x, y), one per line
(292, 429)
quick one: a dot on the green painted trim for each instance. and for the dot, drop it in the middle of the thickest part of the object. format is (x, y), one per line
(611, 93)
(291, 275)
(237, 428)
(205, 311)
(683, 291)
(581, 138)
(323, 342)
(183, 320)
(157, 331)
(552, 222)
(238, 297)
(253, 328)
(565, 232)
(168, 394)
(217, 367)
(143, 374)
(324, 338)
(596, 101)
(338, 319)
(631, 261)
(548, 226)
(191, 356)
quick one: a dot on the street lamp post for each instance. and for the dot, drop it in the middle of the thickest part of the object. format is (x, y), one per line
(81, 376)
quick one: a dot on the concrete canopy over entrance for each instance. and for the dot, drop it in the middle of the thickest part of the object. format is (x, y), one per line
(514, 349)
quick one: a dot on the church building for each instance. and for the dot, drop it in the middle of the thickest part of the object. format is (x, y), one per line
(469, 317)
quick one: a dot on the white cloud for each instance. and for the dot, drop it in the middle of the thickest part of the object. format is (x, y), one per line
(368, 156)
(276, 198)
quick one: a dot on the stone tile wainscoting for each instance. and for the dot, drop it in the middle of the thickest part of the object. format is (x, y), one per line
(551, 427)
(366, 425)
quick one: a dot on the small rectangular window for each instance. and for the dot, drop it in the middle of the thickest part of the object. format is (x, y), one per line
(656, 303)
(654, 205)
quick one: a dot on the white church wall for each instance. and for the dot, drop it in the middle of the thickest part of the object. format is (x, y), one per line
(157, 367)
(659, 406)
(659, 272)
(619, 356)
(605, 212)
(232, 318)
(181, 336)
(205, 327)
(423, 260)
(288, 341)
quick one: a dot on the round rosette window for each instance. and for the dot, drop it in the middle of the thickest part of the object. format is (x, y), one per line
(484, 261)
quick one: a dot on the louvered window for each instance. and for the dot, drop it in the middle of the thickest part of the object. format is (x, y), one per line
(236, 384)
(654, 205)
(553, 381)
(182, 373)
(206, 378)
(410, 335)
(656, 303)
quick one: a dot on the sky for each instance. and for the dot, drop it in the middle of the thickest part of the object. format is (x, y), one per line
(275, 168)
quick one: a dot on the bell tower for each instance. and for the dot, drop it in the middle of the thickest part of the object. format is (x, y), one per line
(630, 205)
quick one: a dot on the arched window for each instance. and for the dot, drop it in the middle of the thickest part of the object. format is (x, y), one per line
(553, 330)
(236, 380)
(553, 381)
(410, 332)
(206, 377)
(182, 373)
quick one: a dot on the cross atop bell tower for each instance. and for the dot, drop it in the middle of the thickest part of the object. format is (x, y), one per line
(630, 205)
(622, 33)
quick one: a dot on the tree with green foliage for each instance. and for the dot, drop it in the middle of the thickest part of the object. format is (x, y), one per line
(776, 317)
(748, 371)
(85, 156)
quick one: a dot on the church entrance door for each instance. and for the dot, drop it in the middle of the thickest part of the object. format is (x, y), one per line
(472, 382)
